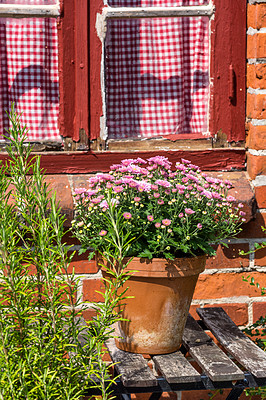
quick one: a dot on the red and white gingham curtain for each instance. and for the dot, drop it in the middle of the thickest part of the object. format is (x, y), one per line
(157, 73)
(29, 73)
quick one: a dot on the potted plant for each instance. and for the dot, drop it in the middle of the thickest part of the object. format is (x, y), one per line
(160, 222)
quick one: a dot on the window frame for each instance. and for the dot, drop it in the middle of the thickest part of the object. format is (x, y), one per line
(80, 89)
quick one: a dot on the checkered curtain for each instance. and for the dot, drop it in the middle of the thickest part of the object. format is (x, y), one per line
(29, 73)
(157, 74)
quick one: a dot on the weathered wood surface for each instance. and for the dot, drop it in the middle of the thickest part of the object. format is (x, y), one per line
(208, 355)
(133, 368)
(157, 12)
(234, 341)
(25, 10)
(175, 368)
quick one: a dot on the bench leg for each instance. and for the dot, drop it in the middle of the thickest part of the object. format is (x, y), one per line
(155, 396)
(123, 396)
(235, 393)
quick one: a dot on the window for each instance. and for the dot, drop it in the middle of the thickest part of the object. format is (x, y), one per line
(29, 66)
(146, 75)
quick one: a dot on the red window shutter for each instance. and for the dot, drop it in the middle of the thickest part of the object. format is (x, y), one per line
(73, 68)
(228, 68)
(95, 54)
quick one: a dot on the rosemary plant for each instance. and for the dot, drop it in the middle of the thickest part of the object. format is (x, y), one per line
(40, 354)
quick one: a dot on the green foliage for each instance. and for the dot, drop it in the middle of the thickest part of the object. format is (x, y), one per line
(40, 354)
(257, 331)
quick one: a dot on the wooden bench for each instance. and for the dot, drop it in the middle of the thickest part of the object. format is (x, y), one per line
(246, 367)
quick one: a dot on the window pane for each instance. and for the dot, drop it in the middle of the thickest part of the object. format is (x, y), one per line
(156, 3)
(29, 74)
(157, 77)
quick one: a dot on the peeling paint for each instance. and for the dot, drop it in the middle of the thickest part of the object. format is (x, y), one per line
(101, 27)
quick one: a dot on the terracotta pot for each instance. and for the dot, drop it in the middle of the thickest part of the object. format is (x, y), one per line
(157, 314)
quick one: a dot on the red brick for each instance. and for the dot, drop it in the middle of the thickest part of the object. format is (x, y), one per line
(193, 312)
(82, 265)
(256, 137)
(256, 105)
(60, 184)
(237, 312)
(88, 314)
(256, 14)
(256, 165)
(256, 45)
(227, 285)
(260, 257)
(259, 310)
(90, 286)
(260, 194)
(256, 76)
(253, 228)
(229, 257)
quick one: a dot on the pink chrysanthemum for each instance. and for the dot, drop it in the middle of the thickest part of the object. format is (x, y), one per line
(102, 233)
(189, 211)
(166, 222)
(150, 217)
(127, 215)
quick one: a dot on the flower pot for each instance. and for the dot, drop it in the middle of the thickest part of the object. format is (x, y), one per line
(162, 290)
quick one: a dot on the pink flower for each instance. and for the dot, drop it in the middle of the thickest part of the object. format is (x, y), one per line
(162, 182)
(156, 195)
(127, 215)
(181, 215)
(230, 198)
(81, 190)
(150, 218)
(199, 226)
(157, 225)
(185, 161)
(118, 189)
(137, 199)
(104, 204)
(240, 205)
(242, 213)
(160, 202)
(166, 222)
(102, 233)
(189, 211)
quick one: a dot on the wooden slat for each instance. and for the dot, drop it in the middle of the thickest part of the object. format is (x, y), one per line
(133, 368)
(210, 357)
(175, 368)
(158, 12)
(234, 341)
(29, 11)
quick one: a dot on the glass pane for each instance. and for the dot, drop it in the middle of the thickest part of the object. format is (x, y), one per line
(156, 3)
(29, 74)
(157, 76)
(30, 2)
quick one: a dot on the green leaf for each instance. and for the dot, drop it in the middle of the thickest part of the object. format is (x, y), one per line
(146, 254)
